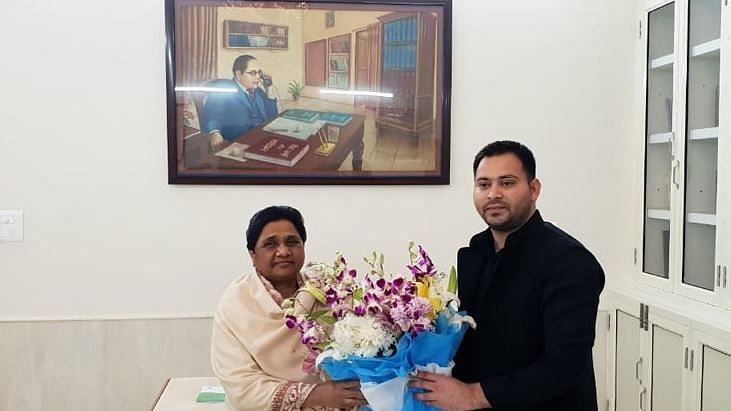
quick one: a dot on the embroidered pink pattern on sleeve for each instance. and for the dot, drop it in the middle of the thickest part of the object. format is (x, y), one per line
(289, 396)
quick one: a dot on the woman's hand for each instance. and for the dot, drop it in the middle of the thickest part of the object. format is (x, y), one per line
(336, 394)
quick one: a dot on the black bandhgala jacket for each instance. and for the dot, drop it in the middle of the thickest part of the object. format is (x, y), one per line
(535, 304)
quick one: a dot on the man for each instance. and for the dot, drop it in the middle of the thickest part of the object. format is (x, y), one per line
(534, 292)
(227, 116)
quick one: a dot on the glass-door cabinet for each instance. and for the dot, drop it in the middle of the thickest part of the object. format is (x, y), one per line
(685, 240)
(660, 161)
(701, 144)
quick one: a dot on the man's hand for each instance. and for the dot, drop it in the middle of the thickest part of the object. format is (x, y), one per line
(449, 394)
(216, 140)
(336, 394)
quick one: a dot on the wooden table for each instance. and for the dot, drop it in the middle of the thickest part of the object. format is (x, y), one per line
(199, 159)
(179, 394)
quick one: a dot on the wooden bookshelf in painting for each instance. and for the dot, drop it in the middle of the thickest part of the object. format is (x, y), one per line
(407, 71)
(244, 34)
(339, 61)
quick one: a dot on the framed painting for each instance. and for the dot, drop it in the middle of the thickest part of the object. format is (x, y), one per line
(308, 92)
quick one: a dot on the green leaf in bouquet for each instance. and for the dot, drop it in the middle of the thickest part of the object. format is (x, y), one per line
(452, 286)
(316, 293)
(412, 254)
(328, 319)
(358, 294)
(317, 314)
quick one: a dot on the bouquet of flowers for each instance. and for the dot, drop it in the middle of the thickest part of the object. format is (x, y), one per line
(380, 328)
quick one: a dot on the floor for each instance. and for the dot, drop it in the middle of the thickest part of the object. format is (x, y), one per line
(389, 151)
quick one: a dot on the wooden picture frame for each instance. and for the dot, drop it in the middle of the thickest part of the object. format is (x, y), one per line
(263, 92)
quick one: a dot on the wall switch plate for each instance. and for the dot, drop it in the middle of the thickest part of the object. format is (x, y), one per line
(11, 225)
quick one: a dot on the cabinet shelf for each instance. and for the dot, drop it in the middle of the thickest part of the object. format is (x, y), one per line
(708, 49)
(701, 218)
(658, 214)
(660, 138)
(704, 133)
(663, 62)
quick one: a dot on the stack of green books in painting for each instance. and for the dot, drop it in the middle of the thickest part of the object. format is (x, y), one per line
(309, 116)
(338, 119)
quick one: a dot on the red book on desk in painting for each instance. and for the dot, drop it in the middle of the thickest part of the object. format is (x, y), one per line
(278, 150)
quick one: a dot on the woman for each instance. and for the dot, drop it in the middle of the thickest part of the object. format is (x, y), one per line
(256, 357)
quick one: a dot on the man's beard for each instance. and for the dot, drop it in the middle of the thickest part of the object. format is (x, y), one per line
(516, 218)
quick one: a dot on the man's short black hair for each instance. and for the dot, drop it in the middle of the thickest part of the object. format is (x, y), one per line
(241, 63)
(497, 148)
(273, 213)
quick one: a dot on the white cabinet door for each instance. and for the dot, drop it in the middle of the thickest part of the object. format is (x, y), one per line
(701, 161)
(716, 373)
(659, 160)
(713, 372)
(600, 357)
(667, 365)
(724, 166)
(627, 362)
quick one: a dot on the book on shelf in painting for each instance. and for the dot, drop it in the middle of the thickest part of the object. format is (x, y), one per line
(278, 150)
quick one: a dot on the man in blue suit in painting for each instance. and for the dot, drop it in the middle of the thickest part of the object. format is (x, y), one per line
(227, 116)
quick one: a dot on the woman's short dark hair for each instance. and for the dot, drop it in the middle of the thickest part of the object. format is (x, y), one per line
(497, 148)
(273, 213)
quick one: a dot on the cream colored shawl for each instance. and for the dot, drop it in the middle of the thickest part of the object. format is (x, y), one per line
(252, 352)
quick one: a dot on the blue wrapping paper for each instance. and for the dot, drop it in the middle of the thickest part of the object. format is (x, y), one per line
(438, 347)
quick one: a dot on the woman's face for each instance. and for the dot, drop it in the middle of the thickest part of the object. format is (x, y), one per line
(279, 252)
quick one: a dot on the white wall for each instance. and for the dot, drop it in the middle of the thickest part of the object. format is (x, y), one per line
(83, 153)
(97, 365)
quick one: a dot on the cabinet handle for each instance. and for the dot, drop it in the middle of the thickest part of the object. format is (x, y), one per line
(675, 169)
(637, 370)
(670, 146)
(692, 352)
(685, 360)
(718, 275)
(724, 276)
(643, 394)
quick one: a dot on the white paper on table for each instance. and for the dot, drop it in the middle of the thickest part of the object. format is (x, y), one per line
(212, 389)
(292, 128)
(234, 152)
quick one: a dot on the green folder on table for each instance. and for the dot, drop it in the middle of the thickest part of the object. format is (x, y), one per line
(211, 394)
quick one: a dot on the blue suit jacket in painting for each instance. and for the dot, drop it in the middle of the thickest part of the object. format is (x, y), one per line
(234, 114)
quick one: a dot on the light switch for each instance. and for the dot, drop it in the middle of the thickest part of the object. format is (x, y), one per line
(11, 225)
